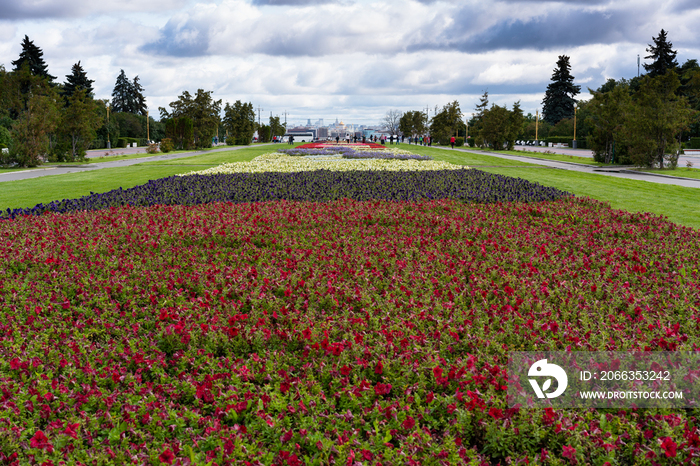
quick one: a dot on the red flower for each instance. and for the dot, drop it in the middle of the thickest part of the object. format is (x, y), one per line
(379, 368)
(40, 441)
(72, 430)
(167, 456)
(496, 413)
(409, 423)
(569, 452)
(669, 447)
(345, 370)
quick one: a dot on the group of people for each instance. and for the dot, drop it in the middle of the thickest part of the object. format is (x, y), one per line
(421, 140)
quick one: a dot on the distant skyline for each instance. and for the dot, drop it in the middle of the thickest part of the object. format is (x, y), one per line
(345, 59)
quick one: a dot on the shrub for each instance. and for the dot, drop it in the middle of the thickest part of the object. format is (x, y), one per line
(694, 143)
(121, 142)
(152, 149)
(166, 145)
(459, 142)
(143, 142)
(471, 142)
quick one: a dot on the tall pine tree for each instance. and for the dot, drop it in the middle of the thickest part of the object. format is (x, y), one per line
(559, 101)
(663, 55)
(123, 94)
(78, 80)
(33, 57)
(139, 101)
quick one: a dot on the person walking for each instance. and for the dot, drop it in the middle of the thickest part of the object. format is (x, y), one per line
(452, 142)
(337, 139)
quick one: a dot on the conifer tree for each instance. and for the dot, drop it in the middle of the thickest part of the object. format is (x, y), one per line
(663, 55)
(123, 94)
(138, 99)
(33, 57)
(76, 81)
(559, 99)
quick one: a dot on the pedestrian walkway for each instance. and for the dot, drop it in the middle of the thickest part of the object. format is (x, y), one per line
(617, 172)
(65, 169)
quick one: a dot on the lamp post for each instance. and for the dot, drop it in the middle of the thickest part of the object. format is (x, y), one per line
(109, 143)
(575, 110)
(148, 128)
(537, 123)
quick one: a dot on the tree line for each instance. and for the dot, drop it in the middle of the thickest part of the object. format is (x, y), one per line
(45, 120)
(643, 121)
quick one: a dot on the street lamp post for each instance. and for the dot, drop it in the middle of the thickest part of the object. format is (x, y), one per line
(575, 110)
(537, 123)
(109, 143)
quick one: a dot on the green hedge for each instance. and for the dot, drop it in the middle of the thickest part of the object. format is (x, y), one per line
(694, 143)
(471, 142)
(459, 142)
(122, 142)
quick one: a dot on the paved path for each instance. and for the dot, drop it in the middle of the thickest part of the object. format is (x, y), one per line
(682, 160)
(62, 170)
(618, 172)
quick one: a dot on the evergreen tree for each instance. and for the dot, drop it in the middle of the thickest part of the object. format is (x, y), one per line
(33, 57)
(123, 94)
(559, 99)
(76, 81)
(663, 55)
(138, 99)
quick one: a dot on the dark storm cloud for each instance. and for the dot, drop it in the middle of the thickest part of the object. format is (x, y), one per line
(544, 33)
(14, 10)
(178, 39)
(292, 2)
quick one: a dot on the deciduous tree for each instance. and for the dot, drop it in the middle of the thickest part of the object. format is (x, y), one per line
(239, 121)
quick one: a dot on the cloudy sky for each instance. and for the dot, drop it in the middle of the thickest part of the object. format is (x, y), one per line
(346, 59)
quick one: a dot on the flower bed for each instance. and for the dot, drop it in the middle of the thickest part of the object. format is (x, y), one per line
(349, 332)
(317, 185)
(323, 145)
(280, 162)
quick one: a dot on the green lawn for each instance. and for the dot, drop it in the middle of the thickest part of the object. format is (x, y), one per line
(28, 193)
(681, 172)
(679, 204)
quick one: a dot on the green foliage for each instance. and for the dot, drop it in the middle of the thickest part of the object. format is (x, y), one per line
(277, 128)
(32, 56)
(180, 131)
(459, 142)
(607, 120)
(694, 143)
(656, 119)
(166, 145)
(471, 142)
(152, 149)
(239, 121)
(413, 123)
(500, 127)
(264, 133)
(77, 80)
(201, 110)
(130, 125)
(127, 96)
(663, 56)
(5, 138)
(559, 99)
(444, 125)
(79, 122)
(30, 133)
